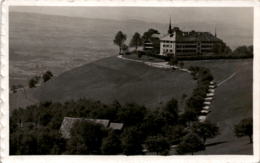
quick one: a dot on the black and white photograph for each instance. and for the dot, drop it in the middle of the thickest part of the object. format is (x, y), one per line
(131, 81)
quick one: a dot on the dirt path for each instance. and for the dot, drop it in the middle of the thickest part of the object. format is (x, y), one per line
(162, 65)
(228, 78)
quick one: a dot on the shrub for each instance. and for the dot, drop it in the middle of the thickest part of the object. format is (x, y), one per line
(47, 76)
(111, 145)
(244, 128)
(86, 138)
(132, 141)
(157, 144)
(191, 143)
(205, 130)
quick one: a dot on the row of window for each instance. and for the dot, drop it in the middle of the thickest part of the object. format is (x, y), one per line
(167, 50)
(186, 50)
(164, 41)
(206, 50)
(192, 51)
(186, 46)
(206, 46)
(167, 45)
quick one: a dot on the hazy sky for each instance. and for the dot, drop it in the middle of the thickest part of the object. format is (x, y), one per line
(238, 16)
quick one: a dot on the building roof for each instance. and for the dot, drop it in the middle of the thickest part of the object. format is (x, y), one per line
(116, 126)
(168, 37)
(68, 123)
(191, 36)
(197, 36)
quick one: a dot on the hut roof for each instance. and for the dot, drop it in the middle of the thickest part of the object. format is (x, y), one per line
(116, 126)
(68, 123)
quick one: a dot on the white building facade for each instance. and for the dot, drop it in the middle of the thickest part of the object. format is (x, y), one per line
(167, 45)
(179, 43)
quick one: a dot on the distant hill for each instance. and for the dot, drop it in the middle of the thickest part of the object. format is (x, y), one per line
(58, 43)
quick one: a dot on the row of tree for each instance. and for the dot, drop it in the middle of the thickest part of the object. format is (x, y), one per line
(143, 128)
(33, 81)
(137, 40)
(36, 79)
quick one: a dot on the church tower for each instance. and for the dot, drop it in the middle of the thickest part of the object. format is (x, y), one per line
(170, 27)
(215, 32)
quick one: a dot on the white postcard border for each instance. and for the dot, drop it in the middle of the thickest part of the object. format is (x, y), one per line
(4, 98)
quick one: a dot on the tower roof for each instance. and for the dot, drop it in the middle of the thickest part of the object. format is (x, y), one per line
(170, 27)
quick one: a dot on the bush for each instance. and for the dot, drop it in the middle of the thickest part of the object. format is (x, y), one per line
(205, 130)
(132, 141)
(86, 138)
(170, 112)
(244, 128)
(153, 123)
(243, 51)
(131, 114)
(111, 145)
(157, 144)
(191, 143)
(33, 81)
(47, 76)
(36, 141)
(175, 133)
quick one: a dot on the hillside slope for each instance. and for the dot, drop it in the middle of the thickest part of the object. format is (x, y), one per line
(115, 79)
(233, 102)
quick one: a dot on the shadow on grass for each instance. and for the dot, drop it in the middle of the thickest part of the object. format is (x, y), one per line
(215, 143)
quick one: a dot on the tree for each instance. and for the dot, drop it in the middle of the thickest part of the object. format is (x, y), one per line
(111, 145)
(119, 40)
(13, 88)
(28, 141)
(205, 130)
(243, 50)
(131, 114)
(170, 111)
(33, 81)
(173, 60)
(47, 76)
(191, 143)
(244, 128)
(188, 116)
(175, 133)
(148, 34)
(157, 144)
(153, 123)
(132, 140)
(86, 138)
(124, 48)
(136, 41)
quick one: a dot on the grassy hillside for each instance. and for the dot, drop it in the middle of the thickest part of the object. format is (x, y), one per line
(233, 102)
(114, 79)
